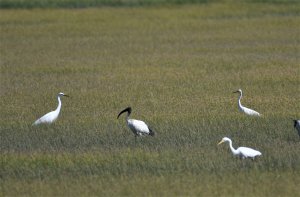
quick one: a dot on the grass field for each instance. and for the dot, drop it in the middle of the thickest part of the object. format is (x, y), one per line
(177, 67)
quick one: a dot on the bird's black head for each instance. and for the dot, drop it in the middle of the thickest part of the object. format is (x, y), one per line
(128, 109)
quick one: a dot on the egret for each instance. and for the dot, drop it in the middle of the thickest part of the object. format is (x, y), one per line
(242, 152)
(138, 127)
(297, 125)
(51, 116)
(246, 110)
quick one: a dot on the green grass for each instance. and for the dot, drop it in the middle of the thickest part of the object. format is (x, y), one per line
(176, 67)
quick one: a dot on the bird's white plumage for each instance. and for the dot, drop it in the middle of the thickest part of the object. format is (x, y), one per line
(51, 116)
(242, 152)
(139, 127)
(243, 109)
(248, 111)
(245, 152)
(47, 118)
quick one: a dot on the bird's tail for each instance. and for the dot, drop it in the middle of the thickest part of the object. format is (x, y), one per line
(151, 132)
(36, 122)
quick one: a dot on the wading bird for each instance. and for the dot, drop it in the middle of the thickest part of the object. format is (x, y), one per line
(297, 125)
(242, 152)
(246, 110)
(51, 116)
(138, 127)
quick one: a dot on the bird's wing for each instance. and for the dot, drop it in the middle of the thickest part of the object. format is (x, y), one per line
(47, 118)
(248, 152)
(140, 126)
(251, 111)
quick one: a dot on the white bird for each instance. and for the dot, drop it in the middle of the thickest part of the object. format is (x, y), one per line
(297, 125)
(246, 110)
(51, 116)
(242, 152)
(138, 127)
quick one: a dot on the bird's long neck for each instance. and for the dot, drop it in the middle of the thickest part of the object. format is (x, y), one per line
(59, 105)
(127, 116)
(231, 148)
(239, 101)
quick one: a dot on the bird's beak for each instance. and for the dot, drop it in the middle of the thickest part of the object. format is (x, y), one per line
(128, 109)
(66, 95)
(221, 142)
(121, 113)
(235, 92)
